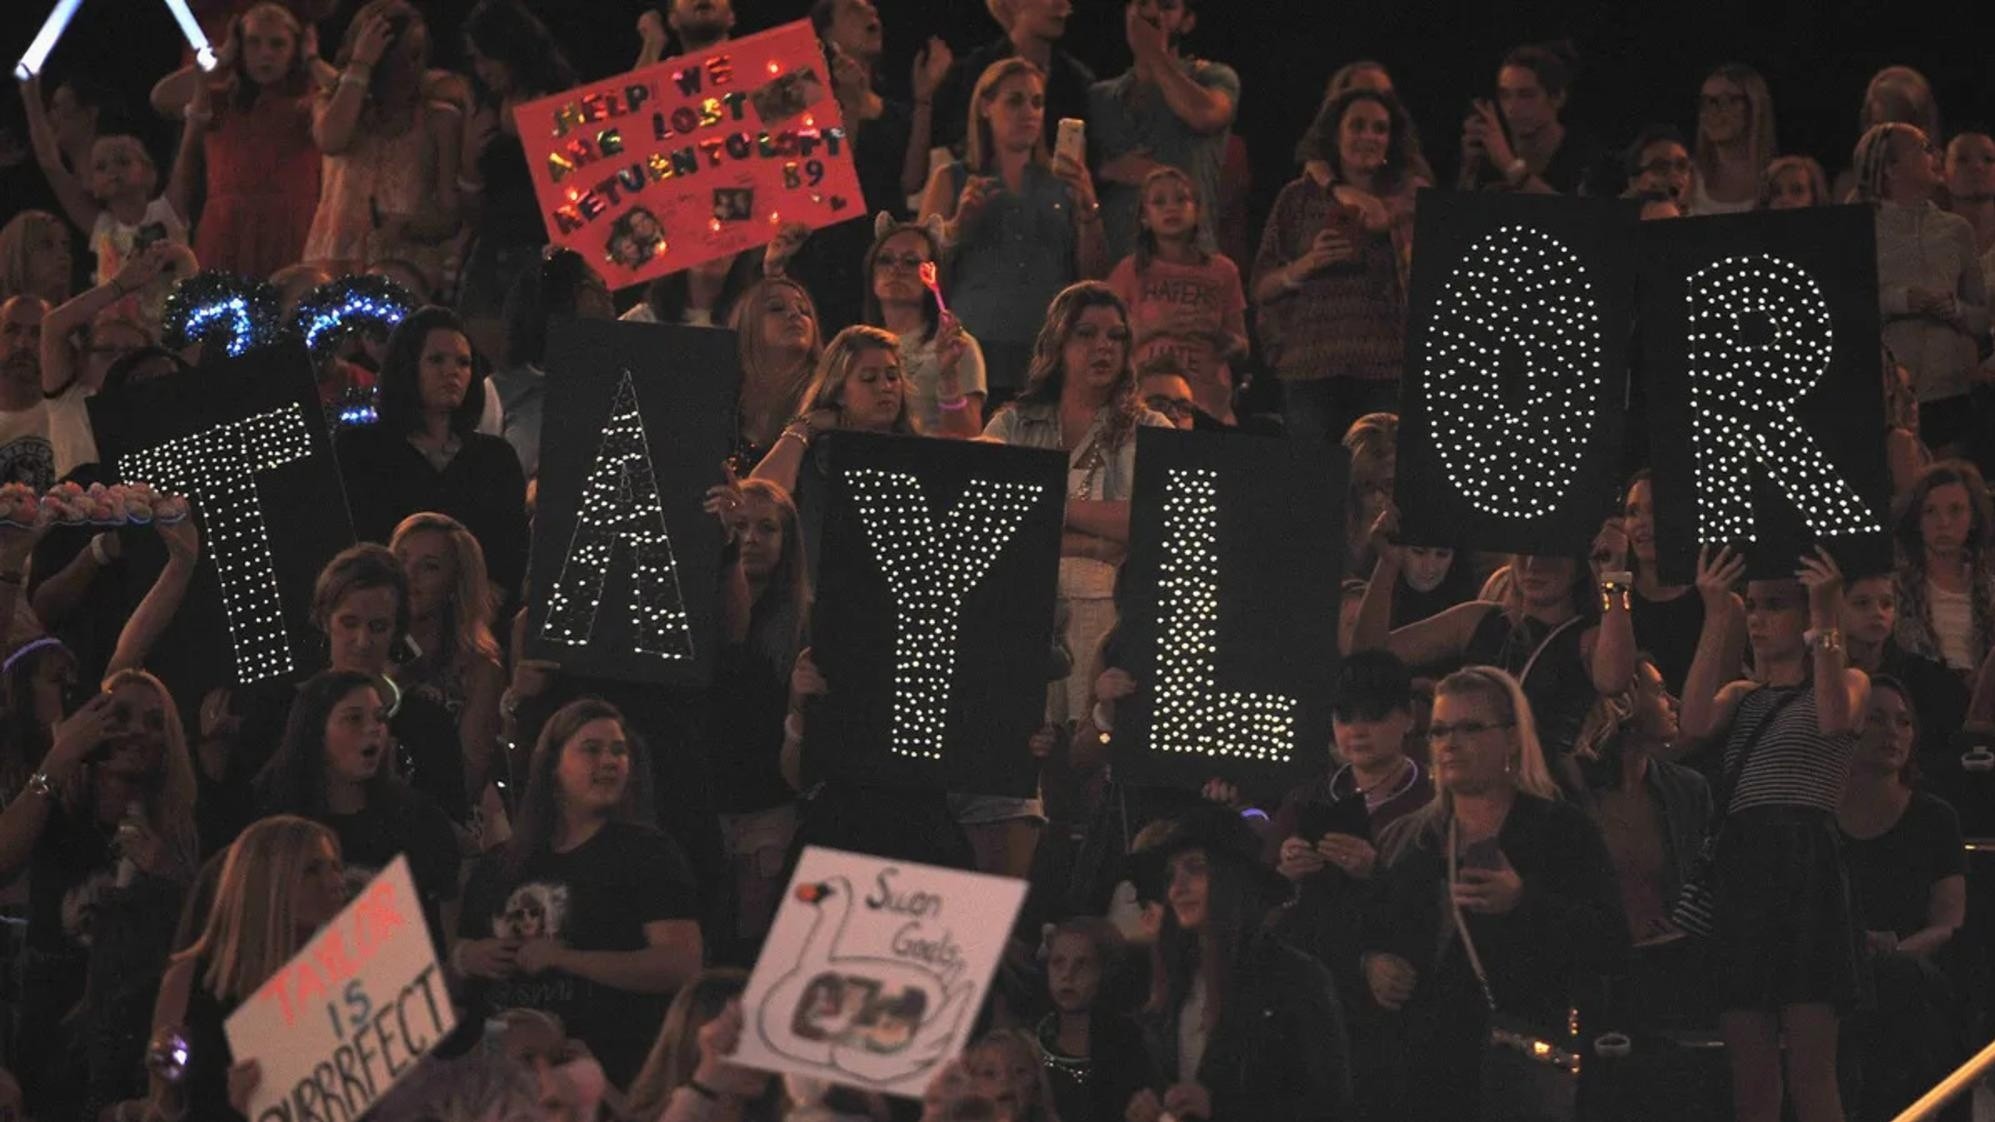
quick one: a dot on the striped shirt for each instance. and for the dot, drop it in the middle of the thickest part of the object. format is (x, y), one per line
(1790, 762)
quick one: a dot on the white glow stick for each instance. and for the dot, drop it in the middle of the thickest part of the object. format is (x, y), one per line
(196, 38)
(44, 41)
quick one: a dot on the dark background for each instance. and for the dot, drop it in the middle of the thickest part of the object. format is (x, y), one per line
(1640, 63)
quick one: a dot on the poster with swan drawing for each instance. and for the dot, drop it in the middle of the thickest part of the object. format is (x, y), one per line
(874, 970)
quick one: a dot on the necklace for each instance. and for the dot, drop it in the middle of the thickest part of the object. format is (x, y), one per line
(1073, 1068)
(1403, 782)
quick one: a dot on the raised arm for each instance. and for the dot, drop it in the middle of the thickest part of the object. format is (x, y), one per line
(1842, 692)
(187, 161)
(1612, 658)
(142, 630)
(77, 313)
(336, 120)
(1709, 696)
(69, 190)
(1202, 108)
(931, 66)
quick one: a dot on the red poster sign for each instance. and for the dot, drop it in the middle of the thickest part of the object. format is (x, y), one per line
(692, 158)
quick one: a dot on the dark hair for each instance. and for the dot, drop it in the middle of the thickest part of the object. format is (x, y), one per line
(552, 287)
(1551, 62)
(505, 32)
(669, 295)
(1653, 134)
(401, 407)
(1909, 774)
(1047, 372)
(119, 373)
(294, 781)
(358, 568)
(822, 12)
(540, 808)
(21, 735)
(1234, 909)
(1372, 684)
(931, 316)
(776, 622)
(1319, 141)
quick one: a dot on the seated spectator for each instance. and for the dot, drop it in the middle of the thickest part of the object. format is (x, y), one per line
(588, 911)
(1907, 880)
(1869, 623)
(1519, 876)
(1793, 182)
(1092, 1052)
(424, 454)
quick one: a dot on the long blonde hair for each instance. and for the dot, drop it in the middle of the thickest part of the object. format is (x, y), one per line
(764, 388)
(1760, 136)
(834, 369)
(169, 811)
(1529, 774)
(676, 1052)
(17, 251)
(252, 927)
(467, 620)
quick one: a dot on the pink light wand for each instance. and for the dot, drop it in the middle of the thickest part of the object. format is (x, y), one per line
(930, 278)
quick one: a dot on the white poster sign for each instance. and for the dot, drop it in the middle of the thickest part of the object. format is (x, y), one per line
(351, 1013)
(874, 970)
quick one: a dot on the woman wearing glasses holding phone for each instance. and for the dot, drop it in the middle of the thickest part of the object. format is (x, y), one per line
(1518, 880)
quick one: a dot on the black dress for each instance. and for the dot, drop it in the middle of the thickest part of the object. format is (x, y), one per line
(1559, 683)
(387, 479)
(206, 1081)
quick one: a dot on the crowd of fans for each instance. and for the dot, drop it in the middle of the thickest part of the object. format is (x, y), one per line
(1628, 825)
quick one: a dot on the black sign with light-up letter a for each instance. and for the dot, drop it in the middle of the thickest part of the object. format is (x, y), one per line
(1229, 612)
(1761, 349)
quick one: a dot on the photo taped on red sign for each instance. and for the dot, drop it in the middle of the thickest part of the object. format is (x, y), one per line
(693, 158)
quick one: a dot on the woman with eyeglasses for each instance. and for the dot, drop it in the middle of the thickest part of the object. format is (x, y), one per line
(1930, 287)
(1519, 887)
(1735, 140)
(1784, 956)
(942, 367)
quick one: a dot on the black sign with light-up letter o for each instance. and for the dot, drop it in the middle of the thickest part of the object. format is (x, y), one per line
(1516, 370)
(1761, 349)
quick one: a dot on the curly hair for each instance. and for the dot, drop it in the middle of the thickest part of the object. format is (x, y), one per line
(1320, 141)
(1046, 375)
(1916, 630)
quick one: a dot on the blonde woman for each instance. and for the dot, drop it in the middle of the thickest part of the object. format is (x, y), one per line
(35, 257)
(1519, 880)
(775, 326)
(1735, 140)
(450, 625)
(857, 386)
(686, 1075)
(281, 881)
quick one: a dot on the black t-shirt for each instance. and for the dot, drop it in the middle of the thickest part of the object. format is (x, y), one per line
(72, 868)
(406, 822)
(597, 897)
(1668, 630)
(1892, 875)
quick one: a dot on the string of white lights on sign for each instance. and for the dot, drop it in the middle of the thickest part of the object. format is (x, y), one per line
(930, 568)
(217, 469)
(620, 505)
(1192, 714)
(1512, 369)
(1760, 338)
